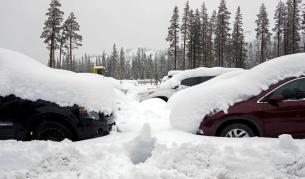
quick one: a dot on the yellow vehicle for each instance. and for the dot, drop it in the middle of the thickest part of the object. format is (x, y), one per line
(99, 70)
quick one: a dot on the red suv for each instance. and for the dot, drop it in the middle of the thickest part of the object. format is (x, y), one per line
(278, 110)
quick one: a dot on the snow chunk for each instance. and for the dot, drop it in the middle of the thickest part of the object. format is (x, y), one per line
(190, 106)
(202, 71)
(286, 142)
(141, 147)
(28, 79)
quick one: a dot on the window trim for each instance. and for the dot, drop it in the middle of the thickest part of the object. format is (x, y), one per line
(260, 100)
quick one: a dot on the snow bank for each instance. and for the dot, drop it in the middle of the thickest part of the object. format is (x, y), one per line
(178, 77)
(190, 106)
(198, 157)
(28, 79)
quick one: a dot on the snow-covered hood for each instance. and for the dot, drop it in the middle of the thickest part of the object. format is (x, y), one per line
(28, 79)
(202, 71)
(190, 106)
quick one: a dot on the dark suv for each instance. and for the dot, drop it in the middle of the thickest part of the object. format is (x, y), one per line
(42, 120)
(278, 110)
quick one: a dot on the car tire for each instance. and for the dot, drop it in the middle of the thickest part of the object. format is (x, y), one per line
(237, 131)
(53, 131)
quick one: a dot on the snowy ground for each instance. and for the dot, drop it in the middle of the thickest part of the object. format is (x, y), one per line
(149, 148)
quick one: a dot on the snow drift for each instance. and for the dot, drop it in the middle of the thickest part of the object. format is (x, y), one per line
(202, 71)
(28, 79)
(190, 106)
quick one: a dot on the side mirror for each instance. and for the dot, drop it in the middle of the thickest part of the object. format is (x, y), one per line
(275, 99)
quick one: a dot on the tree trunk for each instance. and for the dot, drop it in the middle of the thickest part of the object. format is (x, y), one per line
(51, 52)
(70, 54)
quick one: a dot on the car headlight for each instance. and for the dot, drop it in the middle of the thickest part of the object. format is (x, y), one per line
(84, 113)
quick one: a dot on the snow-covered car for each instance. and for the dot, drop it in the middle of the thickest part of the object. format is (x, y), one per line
(37, 102)
(170, 74)
(267, 101)
(183, 80)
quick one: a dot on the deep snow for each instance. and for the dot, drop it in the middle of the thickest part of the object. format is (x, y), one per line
(190, 106)
(28, 79)
(149, 148)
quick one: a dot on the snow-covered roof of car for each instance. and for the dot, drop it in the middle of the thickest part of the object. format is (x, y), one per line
(190, 106)
(202, 71)
(28, 79)
(173, 72)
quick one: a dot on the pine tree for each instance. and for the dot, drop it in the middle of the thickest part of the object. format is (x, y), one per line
(211, 29)
(185, 32)
(204, 34)
(303, 28)
(190, 40)
(62, 44)
(71, 28)
(51, 29)
(222, 33)
(262, 32)
(173, 35)
(104, 60)
(122, 66)
(239, 52)
(197, 39)
(113, 61)
(293, 19)
(279, 18)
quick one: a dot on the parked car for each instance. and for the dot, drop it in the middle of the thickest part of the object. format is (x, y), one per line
(181, 80)
(278, 110)
(40, 103)
(266, 101)
(43, 120)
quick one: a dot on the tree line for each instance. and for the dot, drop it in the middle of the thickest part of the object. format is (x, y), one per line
(63, 37)
(143, 64)
(199, 39)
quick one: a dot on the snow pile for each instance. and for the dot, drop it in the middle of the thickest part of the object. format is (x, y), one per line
(28, 79)
(202, 71)
(132, 115)
(190, 106)
(197, 157)
(224, 158)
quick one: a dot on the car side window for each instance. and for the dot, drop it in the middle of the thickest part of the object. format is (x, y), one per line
(195, 80)
(295, 90)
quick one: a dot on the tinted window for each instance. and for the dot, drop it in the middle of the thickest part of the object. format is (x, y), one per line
(195, 80)
(294, 90)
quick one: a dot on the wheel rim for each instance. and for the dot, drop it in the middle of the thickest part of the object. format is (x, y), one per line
(53, 135)
(237, 133)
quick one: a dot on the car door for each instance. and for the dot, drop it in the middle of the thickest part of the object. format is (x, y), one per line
(8, 107)
(288, 116)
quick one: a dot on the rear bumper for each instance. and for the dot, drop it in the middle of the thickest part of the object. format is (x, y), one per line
(95, 128)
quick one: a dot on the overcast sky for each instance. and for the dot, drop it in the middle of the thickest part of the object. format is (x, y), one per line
(128, 23)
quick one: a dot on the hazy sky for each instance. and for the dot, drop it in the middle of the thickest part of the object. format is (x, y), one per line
(128, 23)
